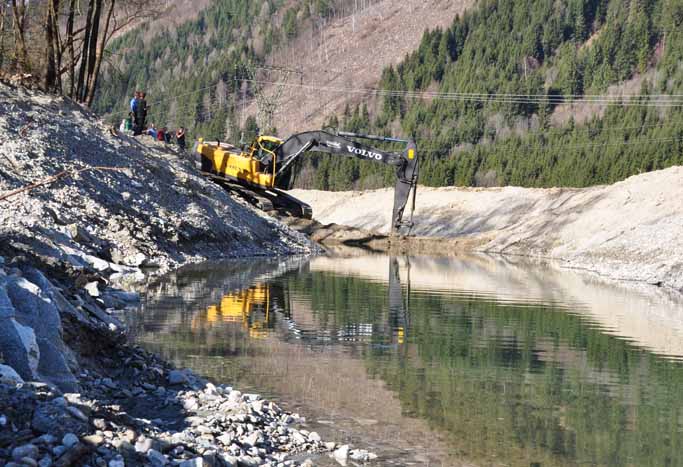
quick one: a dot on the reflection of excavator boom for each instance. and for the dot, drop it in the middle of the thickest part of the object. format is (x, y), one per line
(261, 172)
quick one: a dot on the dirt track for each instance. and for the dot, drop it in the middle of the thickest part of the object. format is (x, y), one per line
(632, 230)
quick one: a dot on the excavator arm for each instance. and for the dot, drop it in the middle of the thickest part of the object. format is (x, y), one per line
(406, 163)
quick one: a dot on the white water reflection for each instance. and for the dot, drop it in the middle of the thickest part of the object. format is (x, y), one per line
(646, 316)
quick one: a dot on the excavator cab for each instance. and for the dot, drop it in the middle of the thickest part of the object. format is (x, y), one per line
(263, 150)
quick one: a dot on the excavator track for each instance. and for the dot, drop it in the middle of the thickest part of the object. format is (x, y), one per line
(271, 200)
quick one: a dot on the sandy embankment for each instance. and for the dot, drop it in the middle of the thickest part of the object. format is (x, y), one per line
(632, 230)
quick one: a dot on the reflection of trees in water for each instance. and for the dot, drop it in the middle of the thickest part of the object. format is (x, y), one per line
(509, 383)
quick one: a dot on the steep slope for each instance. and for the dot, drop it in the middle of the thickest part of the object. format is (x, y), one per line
(130, 204)
(351, 52)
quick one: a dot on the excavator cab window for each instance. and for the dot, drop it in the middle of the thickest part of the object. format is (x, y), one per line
(266, 154)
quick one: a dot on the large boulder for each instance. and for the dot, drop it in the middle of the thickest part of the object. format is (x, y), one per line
(34, 332)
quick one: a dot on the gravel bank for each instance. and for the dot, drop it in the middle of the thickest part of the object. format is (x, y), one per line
(72, 390)
(632, 230)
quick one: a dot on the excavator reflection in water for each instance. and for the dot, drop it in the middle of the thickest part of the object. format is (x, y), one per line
(259, 308)
(249, 307)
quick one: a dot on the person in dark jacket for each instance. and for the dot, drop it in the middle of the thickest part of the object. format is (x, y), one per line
(141, 113)
(180, 138)
(134, 105)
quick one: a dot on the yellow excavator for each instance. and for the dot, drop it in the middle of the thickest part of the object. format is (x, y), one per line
(262, 171)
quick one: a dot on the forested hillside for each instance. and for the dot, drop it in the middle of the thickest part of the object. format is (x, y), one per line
(543, 53)
(479, 96)
(189, 71)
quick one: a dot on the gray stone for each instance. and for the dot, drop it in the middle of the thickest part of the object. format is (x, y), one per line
(143, 445)
(298, 438)
(314, 437)
(117, 462)
(45, 439)
(196, 462)
(177, 377)
(92, 288)
(342, 453)
(33, 339)
(29, 462)
(226, 439)
(3, 421)
(76, 413)
(10, 377)
(27, 450)
(156, 458)
(248, 461)
(45, 462)
(56, 420)
(58, 450)
(70, 440)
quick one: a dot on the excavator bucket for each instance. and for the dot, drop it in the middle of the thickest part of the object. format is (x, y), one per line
(407, 175)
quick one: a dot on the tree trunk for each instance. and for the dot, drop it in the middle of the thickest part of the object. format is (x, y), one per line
(92, 86)
(84, 54)
(19, 17)
(70, 46)
(3, 10)
(51, 45)
(92, 48)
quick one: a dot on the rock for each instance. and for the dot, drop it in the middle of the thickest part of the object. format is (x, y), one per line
(248, 461)
(135, 260)
(196, 462)
(45, 439)
(93, 440)
(228, 460)
(69, 440)
(314, 437)
(359, 455)
(10, 377)
(76, 413)
(226, 439)
(29, 462)
(52, 418)
(156, 458)
(92, 288)
(3, 419)
(27, 450)
(176, 377)
(330, 445)
(298, 438)
(117, 462)
(45, 462)
(143, 445)
(254, 438)
(342, 453)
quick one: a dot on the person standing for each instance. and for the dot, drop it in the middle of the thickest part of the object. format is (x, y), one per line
(140, 113)
(134, 105)
(180, 138)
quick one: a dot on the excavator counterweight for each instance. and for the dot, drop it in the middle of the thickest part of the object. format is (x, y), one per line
(265, 168)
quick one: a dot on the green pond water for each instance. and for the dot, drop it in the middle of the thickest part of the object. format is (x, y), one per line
(438, 361)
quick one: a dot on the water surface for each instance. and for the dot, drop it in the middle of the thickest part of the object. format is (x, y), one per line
(442, 361)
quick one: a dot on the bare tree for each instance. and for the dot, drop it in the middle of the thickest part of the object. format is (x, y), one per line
(19, 9)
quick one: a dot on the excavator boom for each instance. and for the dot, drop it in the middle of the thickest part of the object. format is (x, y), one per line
(406, 163)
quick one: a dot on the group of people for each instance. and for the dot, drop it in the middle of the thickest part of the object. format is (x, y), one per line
(166, 136)
(136, 123)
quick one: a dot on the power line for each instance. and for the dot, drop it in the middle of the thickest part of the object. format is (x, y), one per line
(662, 100)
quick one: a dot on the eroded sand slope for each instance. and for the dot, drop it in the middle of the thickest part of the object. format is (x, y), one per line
(632, 230)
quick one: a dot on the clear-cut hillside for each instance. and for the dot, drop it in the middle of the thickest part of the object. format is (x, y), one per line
(352, 53)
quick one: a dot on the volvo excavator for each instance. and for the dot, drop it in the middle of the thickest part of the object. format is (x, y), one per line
(263, 171)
